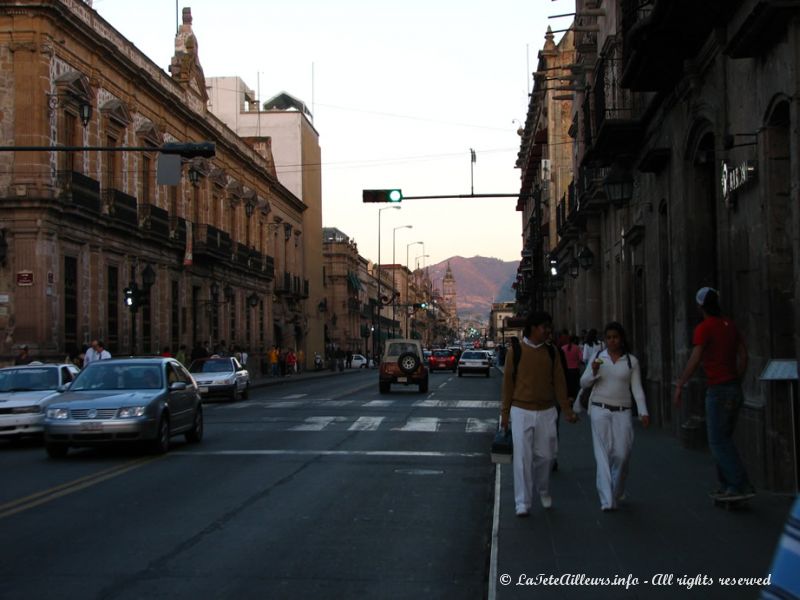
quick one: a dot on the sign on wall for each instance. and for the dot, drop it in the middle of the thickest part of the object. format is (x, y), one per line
(736, 177)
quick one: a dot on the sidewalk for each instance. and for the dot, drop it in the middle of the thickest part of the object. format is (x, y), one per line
(667, 526)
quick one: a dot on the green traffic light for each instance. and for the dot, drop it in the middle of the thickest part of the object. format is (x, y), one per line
(395, 196)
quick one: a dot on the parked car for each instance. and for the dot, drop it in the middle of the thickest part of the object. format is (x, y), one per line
(125, 400)
(474, 361)
(26, 392)
(360, 362)
(443, 360)
(401, 362)
(221, 376)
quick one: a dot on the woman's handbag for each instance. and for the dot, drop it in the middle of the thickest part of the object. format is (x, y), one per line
(502, 447)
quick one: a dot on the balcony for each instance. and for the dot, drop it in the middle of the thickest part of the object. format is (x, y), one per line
(762, 27)
(211, 243)
(661, 34)
(269, 267)
(242, 254)
(155, 221)
(177, 230)
(617, 127)
(82, 191)
(121, 207)
(590, 195)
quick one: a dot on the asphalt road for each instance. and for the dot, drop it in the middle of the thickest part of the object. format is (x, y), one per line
(319, 488)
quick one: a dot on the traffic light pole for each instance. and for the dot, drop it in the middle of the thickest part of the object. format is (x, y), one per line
(188, 150)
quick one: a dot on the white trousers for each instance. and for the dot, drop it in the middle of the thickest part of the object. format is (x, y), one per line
(535, 447)
(612, 438)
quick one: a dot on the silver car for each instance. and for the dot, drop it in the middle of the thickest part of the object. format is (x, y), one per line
(221, 376)
(26, 392)
(125, 400)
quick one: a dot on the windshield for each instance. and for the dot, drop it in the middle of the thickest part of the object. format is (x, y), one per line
(222, 365)
(442, 353)
(398, 348)
(108, 376)
(29, 380)
(473, 356)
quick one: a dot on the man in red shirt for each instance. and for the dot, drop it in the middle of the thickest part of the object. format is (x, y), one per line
(720, 349)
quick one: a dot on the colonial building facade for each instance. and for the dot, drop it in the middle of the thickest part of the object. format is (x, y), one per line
(86, 223)
(684, 173)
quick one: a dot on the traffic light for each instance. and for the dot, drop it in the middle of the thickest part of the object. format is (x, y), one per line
(392, 195)
(131, 297)
(420, 305)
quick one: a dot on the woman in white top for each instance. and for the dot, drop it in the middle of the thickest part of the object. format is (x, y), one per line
(613, 375)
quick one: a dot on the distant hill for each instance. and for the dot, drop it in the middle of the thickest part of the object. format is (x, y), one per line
(480, 281)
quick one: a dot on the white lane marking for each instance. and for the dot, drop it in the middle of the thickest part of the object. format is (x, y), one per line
(366, 424)
(282, 404)
(456, 404)
(481, 425)
(294, 396)
(492, 591)
(379, 403)
(428, 424)
(441, 385)
(338, 402)
(314, 424)
(332, 453)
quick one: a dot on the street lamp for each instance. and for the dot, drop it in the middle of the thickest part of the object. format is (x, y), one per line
(416, 260)
(407, 302)
(586, 258)
(376, 350)
(394, 269)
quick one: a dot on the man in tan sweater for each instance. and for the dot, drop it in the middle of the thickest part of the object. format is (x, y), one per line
(530, 393)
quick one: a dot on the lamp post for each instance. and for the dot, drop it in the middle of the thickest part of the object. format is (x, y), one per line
(407, 277)
(376, 349)
(394, 270)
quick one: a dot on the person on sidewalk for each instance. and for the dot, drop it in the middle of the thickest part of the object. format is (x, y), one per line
(720, 349)
(531, 387)
(613, 375)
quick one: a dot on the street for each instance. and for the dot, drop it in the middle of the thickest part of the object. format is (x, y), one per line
(312, 488)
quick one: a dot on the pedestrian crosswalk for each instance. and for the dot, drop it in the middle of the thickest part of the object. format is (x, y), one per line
(365, 423)
(268, 415)
(288, 402)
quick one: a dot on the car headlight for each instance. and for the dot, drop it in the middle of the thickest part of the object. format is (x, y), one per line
(131, 412)
(57, 413)
(228, 380)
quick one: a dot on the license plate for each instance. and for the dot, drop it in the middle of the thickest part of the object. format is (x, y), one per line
(203, 389)
(92, 426)
(402, 379)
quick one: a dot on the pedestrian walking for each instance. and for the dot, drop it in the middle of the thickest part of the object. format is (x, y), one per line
(613, 376)
(180, 356)
(274, 356)
(591, 346)
(97, 351)
(720, 349)
(533, 382)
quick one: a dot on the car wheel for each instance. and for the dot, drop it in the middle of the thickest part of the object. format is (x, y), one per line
(195, 434)
(423, 387)
(246, 392)
(460, 374)
(488, 373)
(56, 450)
(384, 387)
(160, 445)
(408, 362)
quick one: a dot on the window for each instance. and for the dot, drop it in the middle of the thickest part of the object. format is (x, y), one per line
(111, 164)
(146, 179)
(112, 304)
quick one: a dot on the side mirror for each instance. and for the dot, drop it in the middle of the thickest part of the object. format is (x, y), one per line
(64, 387)
(177, 386)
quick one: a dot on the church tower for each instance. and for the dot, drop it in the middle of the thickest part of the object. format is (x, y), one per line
(449, 291)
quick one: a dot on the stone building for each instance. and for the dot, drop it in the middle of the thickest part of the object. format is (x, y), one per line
(215, 257)
(685, 173)
(283, 127)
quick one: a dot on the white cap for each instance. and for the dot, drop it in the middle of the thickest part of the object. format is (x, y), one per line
(702, 293)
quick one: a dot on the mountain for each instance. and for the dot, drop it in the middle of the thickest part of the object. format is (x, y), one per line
(480, 281)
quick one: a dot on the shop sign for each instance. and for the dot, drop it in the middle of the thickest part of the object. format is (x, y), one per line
(735, 177)
(24, 278)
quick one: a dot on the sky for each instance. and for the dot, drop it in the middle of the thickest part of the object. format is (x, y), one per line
(400, 93)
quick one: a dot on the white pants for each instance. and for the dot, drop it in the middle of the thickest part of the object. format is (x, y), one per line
(535, 447)
(612, 437)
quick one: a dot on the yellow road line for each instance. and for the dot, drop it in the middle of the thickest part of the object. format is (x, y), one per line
(33, 500)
